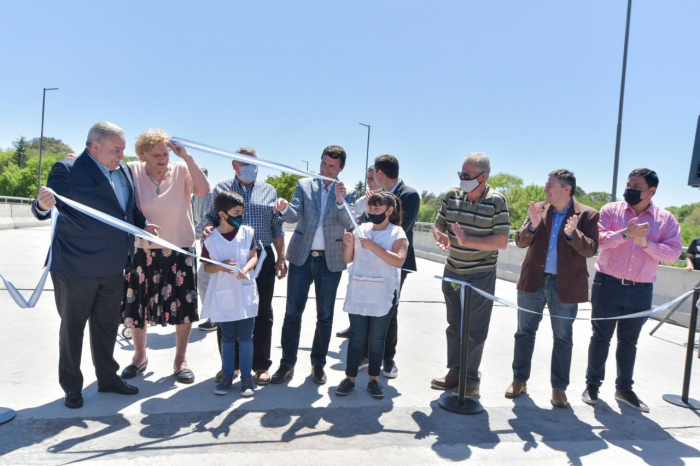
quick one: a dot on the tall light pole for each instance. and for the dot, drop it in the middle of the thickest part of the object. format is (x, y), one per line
(622, 101)
(41, 141)
(307, 164)
(367, 157)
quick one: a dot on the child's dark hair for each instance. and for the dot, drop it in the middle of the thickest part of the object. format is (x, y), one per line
(389, 200)
(227, 200)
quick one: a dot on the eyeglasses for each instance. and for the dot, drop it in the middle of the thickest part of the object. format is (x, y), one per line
(466, 176)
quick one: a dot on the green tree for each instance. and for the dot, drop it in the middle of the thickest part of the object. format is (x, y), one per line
(429, 206)
(360, 189)
(21, 146)
(284, 184)
(52, 145)
(22, 182)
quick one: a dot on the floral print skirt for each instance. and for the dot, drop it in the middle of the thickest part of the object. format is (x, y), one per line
(160, 288)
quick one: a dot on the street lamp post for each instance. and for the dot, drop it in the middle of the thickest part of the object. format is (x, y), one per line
(367, 157)
(307, 164)
(622, 100)
(41, 141)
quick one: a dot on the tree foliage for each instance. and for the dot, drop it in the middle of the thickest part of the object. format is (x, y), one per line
(360, 189)
(284, 184)
(21, 146)
(51, 145)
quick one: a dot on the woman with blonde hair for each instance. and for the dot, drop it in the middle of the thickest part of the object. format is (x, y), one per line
(161, 283)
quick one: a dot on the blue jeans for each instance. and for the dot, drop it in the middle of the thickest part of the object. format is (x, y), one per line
(612, 299)
(369, 331)
(480, 312)
(527, 329)
(299, 282)
(243, 330)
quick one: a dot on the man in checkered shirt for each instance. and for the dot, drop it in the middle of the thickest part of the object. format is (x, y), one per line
(260, 197)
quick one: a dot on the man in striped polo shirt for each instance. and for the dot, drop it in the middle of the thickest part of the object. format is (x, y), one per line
(635, 235)
(473, 224)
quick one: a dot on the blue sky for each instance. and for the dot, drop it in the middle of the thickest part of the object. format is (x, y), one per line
(534, 84)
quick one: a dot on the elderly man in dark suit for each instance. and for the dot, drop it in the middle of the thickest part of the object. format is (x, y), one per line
(561, 234)
(315, 255)
(89, 257)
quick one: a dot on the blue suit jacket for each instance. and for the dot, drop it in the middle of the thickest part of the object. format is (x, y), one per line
(83, 246)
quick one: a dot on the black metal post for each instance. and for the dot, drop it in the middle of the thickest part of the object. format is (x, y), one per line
(622, 101)
(41, 140)
(683, 400)
(461, 404)
(367, 156)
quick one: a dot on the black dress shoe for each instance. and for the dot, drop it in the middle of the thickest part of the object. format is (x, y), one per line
(131, 370)
(73, 400)
(318, 375)
(282, 374)
(343, 333)
(120, 387)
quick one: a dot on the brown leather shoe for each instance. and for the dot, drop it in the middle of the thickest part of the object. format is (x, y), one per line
(516, 389)
(262, 377)
(469, 392)
(444, 383)
(559, 398)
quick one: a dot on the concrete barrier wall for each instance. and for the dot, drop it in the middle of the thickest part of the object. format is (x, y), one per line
(671, 281)
(19, 216)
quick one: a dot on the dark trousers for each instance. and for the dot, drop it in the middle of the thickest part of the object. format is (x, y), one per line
(262, 333)
(367, 332)
(315, 270)
(613, 299)
(392, 333)
(480, 319)
(80, 300)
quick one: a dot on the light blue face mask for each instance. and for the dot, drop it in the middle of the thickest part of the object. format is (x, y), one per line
(248, 173)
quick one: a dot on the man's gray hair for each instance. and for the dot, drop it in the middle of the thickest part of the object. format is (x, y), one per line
(102, 130)
(247, 151)
(480, 160)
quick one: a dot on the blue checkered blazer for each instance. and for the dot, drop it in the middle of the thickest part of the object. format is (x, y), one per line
(305, 210)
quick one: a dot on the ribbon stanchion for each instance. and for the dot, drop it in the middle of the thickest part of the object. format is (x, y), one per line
(460, 404)
(683, 401)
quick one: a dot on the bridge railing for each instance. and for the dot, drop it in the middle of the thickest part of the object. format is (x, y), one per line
(15, 200)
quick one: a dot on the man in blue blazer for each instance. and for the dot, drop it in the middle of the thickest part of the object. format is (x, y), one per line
(315, 254)
(89, 257)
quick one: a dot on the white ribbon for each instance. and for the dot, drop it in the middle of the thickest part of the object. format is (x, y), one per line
(260, 163)
(129, 228)
(14, 292)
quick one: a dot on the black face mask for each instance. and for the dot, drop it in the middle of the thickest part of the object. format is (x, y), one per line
(632, 196)
(234, 221)
(377, 218)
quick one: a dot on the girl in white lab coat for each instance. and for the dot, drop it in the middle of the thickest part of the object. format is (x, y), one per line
(232, 298)
(377, 253)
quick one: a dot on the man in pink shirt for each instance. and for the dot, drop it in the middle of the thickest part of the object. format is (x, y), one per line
(635, 235)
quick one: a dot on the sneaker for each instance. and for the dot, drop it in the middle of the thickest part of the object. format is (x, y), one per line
(375, 389)
(247, 389)
(345, 387)
(590, 395)
(207, 325)
(364, 364)
(629, 398)
(224, 386)
(390, 370)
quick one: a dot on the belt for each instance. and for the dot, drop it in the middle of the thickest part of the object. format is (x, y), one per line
(622, 281)
(550, 275)
(317, 253)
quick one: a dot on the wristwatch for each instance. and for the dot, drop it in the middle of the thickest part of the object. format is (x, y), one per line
(625, 235)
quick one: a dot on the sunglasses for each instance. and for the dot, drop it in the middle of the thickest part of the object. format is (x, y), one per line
(464, 176)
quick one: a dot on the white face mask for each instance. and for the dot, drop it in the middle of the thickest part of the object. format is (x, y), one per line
(248, 173)
(469, 185)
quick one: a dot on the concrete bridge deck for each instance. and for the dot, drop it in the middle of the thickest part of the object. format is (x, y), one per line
(302, 423)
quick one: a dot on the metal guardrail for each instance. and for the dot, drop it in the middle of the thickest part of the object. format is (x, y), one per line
(427, 227)
(17, 200)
